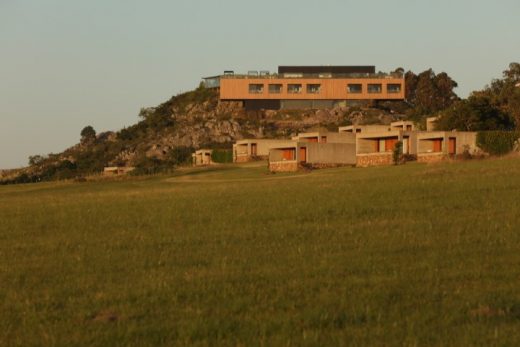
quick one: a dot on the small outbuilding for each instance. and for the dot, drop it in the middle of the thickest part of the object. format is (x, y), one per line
(364, 128)
(373, 149)
(117, 170)
(253, 149)
(295, 155)
(202, 157)
(435, 146)
(325, 137)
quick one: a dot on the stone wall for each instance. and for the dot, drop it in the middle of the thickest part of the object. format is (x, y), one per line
(374, 159)
(431, 157)
(283, 166)
(325, 166)
(243, 158)
(248, 158)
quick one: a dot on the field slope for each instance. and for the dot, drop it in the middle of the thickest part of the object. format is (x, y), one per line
(409, 255)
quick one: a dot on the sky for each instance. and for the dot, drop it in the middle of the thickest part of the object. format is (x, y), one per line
(65, 64)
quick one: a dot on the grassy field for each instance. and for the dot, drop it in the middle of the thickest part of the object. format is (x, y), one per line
(415, 255)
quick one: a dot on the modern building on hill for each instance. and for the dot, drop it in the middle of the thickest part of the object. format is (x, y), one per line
(296, 87)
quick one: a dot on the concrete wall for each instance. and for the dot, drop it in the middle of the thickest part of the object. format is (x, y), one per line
(431, 157)
(464, 140)
(402, 125)
(283, 166)
(364, 128)
(374, 159)
(330, 137)
(242, 149)
(202, 157)
(330, 153)
(431, 123)
(317, 155)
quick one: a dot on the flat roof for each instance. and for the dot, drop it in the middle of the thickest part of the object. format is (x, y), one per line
(310, 69)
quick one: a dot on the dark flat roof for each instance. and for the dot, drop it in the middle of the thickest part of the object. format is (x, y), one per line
(370, 69)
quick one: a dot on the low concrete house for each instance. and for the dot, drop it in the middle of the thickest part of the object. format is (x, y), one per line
(202, 157)
(294, 155)
(376, 148)
(325, 137)
(402, 125)
(117, 170)
(434, 146)
(253, 149)
(431, 123)
(363, 128)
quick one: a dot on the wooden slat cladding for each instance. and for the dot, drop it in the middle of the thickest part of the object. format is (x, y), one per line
(330, 89)
(437, 145)
(452, 146)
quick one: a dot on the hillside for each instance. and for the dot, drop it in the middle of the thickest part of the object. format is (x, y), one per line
(419, 255)
(166, 135)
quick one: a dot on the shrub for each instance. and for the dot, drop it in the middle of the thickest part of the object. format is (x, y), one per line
(150, 166)
(180, 155)
(397, 152)
(222, 156)
(497, 142)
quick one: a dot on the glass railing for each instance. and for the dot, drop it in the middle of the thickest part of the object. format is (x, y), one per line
(316, 76)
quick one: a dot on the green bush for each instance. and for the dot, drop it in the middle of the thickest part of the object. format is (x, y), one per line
(222, 156)
(397, 153)
(180, 155)
(497, 142)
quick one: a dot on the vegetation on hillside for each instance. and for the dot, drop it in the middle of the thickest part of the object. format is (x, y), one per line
(164, 135)
(497, 107)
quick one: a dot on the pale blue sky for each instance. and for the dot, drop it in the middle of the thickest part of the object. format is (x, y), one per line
(65, 64)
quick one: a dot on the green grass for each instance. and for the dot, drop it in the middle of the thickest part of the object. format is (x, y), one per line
(397, 256)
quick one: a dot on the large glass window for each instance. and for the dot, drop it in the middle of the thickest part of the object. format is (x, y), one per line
(294, 88)
(375, 88)
(355, 88)
(275, 88)
(313, 88)
(393, 88)
(256, 88)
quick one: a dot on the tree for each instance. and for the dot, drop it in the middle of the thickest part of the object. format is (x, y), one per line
(428, 93)
(36, 159)
(474, 114)
(505, 93)
(88, 134)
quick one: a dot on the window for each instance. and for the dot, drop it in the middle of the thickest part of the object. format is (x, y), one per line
(354, 88)
(256, 88)
(294, 88)
(313, 88)
(275, 88)
(393, 88)
(375, 88)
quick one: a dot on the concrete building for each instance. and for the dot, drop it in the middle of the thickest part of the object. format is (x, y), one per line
(253, 149)
(298, 87)
(202, 157)
(402, 125)
(117, 170)
(363, 128)
(325, 137)
(431, 123)
(435, 146)
(294, 155)
(376, 148)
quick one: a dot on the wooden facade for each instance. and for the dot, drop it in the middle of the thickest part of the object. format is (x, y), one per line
(268, 88)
